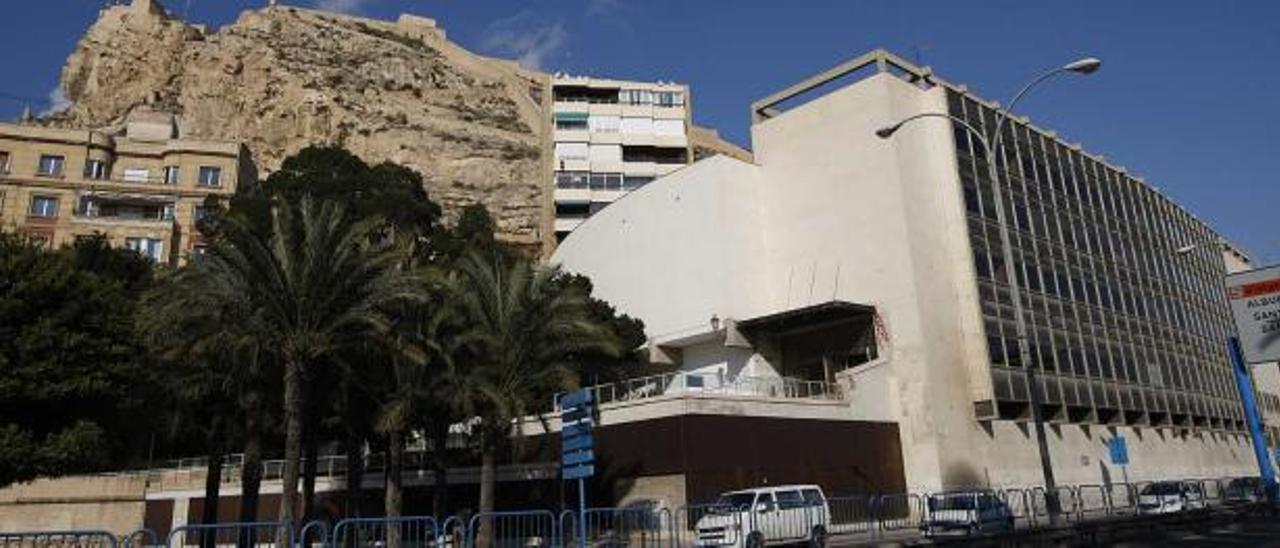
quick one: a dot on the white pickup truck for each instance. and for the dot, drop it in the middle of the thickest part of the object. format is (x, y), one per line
(767, 516)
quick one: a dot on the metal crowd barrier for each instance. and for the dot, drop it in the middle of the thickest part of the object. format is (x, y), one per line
(617, 527)
(869, 516)
(142, 538)
(314, 534)
(514, 529)
(241, 535)
(58, 539)
(402, 531)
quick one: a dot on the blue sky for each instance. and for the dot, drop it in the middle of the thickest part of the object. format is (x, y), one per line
(1189, 96)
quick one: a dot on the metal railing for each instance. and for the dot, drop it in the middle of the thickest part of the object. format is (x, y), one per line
(711, 384)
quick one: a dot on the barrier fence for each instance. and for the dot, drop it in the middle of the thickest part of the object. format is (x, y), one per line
(854, 517)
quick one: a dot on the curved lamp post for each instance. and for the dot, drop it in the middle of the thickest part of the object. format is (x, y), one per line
(990, 145)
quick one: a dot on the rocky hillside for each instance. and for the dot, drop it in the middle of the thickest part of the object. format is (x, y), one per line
(281, 78)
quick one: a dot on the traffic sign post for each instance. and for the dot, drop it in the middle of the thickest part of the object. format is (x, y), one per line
(577, 455)
(1254, 297)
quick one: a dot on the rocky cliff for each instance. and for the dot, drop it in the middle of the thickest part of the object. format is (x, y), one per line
(281, 78)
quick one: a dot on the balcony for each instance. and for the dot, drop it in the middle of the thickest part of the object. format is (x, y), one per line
(683, 384)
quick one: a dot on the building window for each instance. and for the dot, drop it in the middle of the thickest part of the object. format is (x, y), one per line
(606, 181)
(668, 99)
(571, 179)
(4, 162)
(44, 206)
(95, 170)
(632, 182)
(571, 125)
(636, 97)
(202, 213)
(167, 211)
(573, 210)
(50, 165)
(210, 176)
(147, 247)
(172, 175)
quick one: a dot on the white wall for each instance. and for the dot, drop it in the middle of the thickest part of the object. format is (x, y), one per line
(682, 250)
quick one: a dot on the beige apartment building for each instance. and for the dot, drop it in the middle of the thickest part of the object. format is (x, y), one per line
(612, 137)
(142, 187)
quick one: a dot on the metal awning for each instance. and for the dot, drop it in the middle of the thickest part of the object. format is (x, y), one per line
(813, 315)
(571, 116)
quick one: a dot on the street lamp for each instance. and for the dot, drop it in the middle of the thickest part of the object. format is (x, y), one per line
(990, 144)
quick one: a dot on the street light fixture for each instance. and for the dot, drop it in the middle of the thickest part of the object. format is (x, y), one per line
(990, 144)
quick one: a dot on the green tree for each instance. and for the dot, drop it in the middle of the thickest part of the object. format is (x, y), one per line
(393, 200)
(208, 334)
(523, 330)
(75, 386)
(317, 280)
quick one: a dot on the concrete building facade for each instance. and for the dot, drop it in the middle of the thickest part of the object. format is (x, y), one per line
(611, 137)
(143, 188)
(878, 262)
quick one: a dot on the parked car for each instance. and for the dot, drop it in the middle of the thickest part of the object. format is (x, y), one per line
(767, 516)
(1167, 497)
(966, 512)
(1243, 491)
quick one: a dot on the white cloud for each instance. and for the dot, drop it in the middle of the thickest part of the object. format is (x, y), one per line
(341, 6)
(523, 36)
(58, 102)
(602, 7)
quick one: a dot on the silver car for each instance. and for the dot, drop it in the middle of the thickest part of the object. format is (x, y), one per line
(1168, 497)
(967, 512)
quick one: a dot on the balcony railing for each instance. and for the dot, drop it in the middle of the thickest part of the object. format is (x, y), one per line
(709, 384)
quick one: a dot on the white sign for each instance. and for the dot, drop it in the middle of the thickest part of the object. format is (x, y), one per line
(1255, 303)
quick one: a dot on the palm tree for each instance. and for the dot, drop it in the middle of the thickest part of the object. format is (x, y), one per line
(315, 282)
(516, 350)
(214, 341)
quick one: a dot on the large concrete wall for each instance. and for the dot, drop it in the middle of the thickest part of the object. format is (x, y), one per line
(112, 503)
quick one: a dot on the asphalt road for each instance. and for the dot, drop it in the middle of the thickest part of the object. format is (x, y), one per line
(1252, 531)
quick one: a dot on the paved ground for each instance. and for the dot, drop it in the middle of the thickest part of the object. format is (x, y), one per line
(1257, 531)
(1252, 531)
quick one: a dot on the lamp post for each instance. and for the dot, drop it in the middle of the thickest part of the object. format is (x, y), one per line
(990, 146)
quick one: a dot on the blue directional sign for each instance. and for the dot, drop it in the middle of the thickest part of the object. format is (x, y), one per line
(577, 458)
(1119, 450)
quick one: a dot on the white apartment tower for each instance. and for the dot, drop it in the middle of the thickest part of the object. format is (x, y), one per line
(612, 137)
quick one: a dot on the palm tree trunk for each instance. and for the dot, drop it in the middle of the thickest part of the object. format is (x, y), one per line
(439, 465)
(312, 449)
(440, 495)
(212, 489)
(293, 417)
(395, 475)
(488, 476)
(355, 474)
(251, 470)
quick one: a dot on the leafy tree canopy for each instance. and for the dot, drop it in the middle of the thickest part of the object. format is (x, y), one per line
(75, 385)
